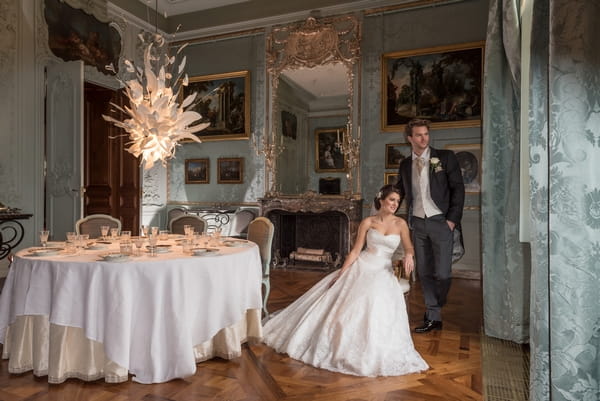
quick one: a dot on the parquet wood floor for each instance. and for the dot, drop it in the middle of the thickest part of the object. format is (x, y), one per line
(260, 374)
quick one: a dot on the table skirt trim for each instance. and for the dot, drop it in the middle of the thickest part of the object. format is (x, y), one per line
(63, 352)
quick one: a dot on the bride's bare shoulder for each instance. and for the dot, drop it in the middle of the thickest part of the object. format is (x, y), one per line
(400, 222)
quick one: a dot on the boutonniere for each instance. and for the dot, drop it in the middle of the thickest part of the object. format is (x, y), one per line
(436, 165)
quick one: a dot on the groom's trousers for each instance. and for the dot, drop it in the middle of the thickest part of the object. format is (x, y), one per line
(432, 239)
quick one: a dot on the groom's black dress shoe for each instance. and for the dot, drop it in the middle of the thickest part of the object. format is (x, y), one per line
(429, 325)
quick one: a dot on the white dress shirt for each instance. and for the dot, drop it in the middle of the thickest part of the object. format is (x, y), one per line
(423, 205)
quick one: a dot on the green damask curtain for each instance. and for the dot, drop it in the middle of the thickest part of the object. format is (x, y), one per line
(505, 265)
(564, 141)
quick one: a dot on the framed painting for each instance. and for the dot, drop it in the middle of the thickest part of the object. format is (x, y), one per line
(328, 153)
(469, 160)
(441, 84)
(197, 171)
(289, 124)
(224, 101)
(390, 178)
(230, 170)
(395, 153)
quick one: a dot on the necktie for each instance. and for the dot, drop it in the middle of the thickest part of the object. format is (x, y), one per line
(420, 165)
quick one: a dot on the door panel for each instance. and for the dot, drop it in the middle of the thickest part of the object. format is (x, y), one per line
(112, 175)
(64, 130)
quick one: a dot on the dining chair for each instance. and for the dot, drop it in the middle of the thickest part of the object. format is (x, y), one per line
(91, 224)
(175, 212)
(177, 224)
(260, 231)
(240, 222)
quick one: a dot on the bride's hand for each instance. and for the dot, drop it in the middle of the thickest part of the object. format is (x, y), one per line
(409, 264)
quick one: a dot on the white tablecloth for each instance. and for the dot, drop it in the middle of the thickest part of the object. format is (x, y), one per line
(149, 314)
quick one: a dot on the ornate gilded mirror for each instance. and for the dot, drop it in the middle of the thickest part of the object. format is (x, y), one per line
(313, 69)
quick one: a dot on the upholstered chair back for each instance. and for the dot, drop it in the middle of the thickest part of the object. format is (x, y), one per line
(177, 224)
(260, 231)
(91, 224)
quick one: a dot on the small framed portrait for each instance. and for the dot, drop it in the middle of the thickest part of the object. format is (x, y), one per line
(197, 171)
(289, 124)
(469, 160)
(230, 170)
(328, 152)
(390, 178)
(395, 153)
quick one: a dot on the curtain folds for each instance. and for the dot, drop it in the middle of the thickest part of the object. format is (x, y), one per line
(564, 124)
(506, 264)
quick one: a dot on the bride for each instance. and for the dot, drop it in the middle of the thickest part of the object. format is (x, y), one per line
(354, 320)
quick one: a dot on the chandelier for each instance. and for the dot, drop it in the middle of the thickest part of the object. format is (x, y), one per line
(156, 122)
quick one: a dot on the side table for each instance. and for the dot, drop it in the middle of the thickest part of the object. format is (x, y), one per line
(11, 231)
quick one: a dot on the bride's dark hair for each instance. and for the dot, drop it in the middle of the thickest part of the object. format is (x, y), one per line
(384, 193)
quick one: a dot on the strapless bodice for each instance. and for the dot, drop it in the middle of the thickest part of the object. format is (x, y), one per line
(380, 244)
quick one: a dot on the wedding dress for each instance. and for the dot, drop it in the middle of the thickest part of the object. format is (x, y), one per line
(359, 326)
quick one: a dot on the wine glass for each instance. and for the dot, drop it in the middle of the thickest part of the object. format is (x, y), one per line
(125, 235)
(114, 233)
(139, 242)
(104, 231)
(44, 234)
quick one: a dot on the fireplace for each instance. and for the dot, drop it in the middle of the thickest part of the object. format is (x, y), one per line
(318, 223)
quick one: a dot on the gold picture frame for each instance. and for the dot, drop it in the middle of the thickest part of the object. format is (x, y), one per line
(442, 84)
(214, 92)
(197, 171)
(395, 153)
(328, 153)
(230, 170)
(390, 178)
(469, 160)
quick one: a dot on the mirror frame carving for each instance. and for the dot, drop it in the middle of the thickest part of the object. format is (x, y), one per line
(308, 44)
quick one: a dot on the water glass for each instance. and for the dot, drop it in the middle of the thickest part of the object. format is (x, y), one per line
(114, 233)
(44, 234)
(104, 231)
(125, 247)
(186, 246)
(152, 240)
(163, 235)
(125, 235)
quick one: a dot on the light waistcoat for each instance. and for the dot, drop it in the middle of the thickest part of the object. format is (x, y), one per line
(423, 205)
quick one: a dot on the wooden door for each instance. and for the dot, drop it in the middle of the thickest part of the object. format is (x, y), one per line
(111, 174)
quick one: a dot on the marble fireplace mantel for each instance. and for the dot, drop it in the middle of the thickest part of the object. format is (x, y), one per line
(351, 208)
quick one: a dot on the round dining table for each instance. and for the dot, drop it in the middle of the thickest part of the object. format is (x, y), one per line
(154, 316)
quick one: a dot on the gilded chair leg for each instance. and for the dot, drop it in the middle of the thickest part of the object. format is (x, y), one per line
(267, 284)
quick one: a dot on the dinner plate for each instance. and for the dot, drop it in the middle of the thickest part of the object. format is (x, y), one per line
(204, 251)
(114, 257)
(44, 251)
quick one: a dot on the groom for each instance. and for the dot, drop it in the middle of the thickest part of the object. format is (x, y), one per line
(432, 183)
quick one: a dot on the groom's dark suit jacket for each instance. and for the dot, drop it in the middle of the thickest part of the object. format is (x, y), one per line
(446, 186)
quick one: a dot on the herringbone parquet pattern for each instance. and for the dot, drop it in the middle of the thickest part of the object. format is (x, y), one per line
(261, 374)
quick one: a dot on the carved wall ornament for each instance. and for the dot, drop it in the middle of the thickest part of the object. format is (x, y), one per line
(312, 43)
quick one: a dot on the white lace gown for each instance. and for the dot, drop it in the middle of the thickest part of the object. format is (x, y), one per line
(359, 326)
